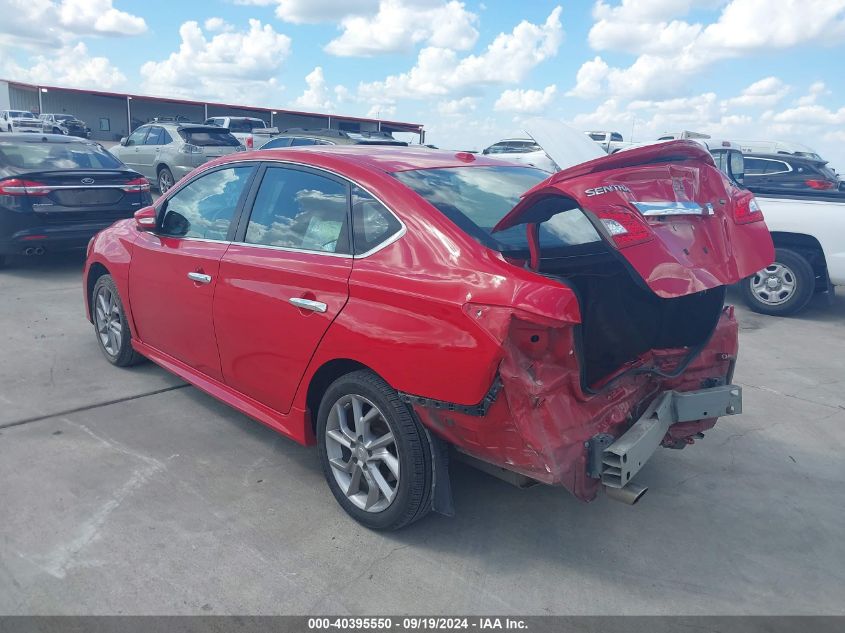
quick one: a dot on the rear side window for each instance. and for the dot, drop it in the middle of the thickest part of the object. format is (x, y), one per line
(302, 141)
(204, 207)
(277, 142)
(208, 137)
(776, 167)
(39, 155)
(300, 210)
(615, 136)
(476, 198)
(244, 126)
(372, 223)
(754, 166)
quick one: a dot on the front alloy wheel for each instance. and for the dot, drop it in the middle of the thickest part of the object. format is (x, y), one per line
(110, 324)
(375, 455)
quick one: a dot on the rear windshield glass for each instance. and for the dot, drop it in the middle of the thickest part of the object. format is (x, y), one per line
(47, 156)
(244, 126)
(476, 198)
(208, 137)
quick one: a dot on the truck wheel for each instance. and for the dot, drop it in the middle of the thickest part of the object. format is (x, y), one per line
(374, 453)
(783, 288)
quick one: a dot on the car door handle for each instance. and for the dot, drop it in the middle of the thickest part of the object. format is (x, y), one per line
(200, 278)
(308, 304)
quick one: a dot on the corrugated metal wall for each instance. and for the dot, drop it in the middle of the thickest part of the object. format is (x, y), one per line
(145, 110)
(106, 116)
(21, 98)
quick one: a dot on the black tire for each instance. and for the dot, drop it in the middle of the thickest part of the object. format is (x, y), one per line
(800, 271)
(124, 355)
(165, 172)
(413, 497)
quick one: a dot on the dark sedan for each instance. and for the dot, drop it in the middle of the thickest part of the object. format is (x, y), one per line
(789, 174)
(56, 192)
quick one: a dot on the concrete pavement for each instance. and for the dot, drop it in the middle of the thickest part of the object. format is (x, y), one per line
(167, 502)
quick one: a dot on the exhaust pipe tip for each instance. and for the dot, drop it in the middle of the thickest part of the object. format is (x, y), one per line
(29, 251)
(39, 250)
(629, 494)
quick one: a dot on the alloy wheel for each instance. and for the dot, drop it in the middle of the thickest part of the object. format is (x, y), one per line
(774, 285)
(109, 321)
(363, 453)
(165, 181)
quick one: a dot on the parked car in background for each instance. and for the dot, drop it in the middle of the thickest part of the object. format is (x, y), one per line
(241, 128)
(682, 135)
(178, 118)
(64, 124)
(167, 152)
(788, 173)
(610, 142)
(552, 329)
(777, 147)
(19, 121)
(298, 137)
(57, 191)
(521, 150)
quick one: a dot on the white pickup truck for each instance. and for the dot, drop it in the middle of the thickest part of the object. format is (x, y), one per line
(242, 128)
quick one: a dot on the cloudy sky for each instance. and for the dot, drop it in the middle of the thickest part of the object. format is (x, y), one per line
(470, 71)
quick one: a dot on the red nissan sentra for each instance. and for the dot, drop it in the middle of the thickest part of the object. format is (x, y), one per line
(390, 303)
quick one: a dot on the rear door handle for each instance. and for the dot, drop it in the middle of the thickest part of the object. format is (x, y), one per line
(308, 304)
(200, 278)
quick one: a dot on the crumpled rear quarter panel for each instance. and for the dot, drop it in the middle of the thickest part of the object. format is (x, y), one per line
(541, 420)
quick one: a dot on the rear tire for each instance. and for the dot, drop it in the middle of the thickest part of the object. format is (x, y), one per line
(784, 288)
(111, 325)
(165, 180)
(381, 448)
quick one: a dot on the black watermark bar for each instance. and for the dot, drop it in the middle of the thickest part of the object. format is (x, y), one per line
(535, 624)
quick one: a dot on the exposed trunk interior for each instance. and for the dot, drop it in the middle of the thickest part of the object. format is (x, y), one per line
(621, 317)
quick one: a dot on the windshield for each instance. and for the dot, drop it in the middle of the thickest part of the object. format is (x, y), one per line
(21, 114)
(476, 198)
(63, 117)
(244, 126)
(48, 156)
(209, 137)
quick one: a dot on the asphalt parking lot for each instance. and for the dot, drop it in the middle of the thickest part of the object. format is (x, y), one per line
(127, 492)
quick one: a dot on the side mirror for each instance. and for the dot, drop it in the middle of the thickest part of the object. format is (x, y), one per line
(145, 219)
(123, 140)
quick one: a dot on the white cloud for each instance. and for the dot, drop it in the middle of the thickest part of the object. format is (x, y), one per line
(70, 66)
(457, 107)
(671, 52)
(315, 11)
(817, 89)
(217, 24)
(316, 95)
(399, 25)
(519, 100)
(589, 79)
(507, 60)
(237, 66)
(381, 111)
(38, 23)
(764, 93)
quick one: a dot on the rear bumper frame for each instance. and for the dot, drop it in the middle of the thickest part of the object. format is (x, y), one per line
(624, 458)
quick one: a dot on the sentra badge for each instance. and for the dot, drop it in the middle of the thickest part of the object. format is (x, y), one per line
(597, 191)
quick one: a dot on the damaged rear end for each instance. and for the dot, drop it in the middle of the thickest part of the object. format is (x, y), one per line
(617, 341)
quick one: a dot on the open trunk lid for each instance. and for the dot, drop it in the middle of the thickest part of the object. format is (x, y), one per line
(668, 211)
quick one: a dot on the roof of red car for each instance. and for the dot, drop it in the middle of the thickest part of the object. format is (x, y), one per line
(384, 158)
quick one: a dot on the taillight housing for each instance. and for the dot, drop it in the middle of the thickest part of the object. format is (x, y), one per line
(625, 228)
(187, 148)
(249, 142)
(746, 209)
(19, 187)
(137, 185)
(820, 185)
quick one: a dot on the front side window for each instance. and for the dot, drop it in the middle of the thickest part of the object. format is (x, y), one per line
(372, 223)
(277, 143)
(204, 208)
(137, 137)
(615, 136)
(302, 141)
(155, 136)
(300, 210)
